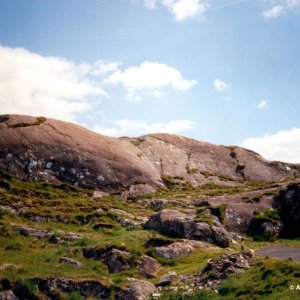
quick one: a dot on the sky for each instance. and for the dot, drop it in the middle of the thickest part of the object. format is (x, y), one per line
(222, 71)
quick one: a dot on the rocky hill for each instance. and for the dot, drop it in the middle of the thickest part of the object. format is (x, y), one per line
(41, 149)
(155, 217)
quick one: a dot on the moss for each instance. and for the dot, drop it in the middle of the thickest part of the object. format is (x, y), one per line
(135, 142)
(219, 211)
(168, 180)
(191, 170)
(38, 121)
(202, 216)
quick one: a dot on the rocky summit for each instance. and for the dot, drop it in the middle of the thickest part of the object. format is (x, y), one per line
(85, 216)
(40, 149)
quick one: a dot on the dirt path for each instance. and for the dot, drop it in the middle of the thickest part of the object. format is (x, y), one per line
(280, 251)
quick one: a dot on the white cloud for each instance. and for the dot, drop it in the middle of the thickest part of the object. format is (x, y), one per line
(220, 85)
(150, 3)
(137, 128)
(262, 104)
(149, 77)
(181, 9)
(281, 7)
(292, 3)
(283, 145)
(274, 12)
(42, 85)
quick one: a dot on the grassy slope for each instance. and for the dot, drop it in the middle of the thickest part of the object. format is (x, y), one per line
(38, 258)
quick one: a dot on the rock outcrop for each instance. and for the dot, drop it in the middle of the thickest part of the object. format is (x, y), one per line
(87, 288)
(179, 249)
(288, 205)
(116, 259)
(43, 149)
(136, 290)
(177, 224)
(201, 162)
(218, 269)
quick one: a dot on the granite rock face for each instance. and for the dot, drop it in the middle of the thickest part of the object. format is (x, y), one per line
(177, 224)
(40, 149)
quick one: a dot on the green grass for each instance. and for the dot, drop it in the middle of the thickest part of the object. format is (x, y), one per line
(38, 121)
(34, 258)
(267, 279)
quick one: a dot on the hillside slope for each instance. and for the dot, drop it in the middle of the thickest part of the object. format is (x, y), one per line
(38, 149)
(41, 149)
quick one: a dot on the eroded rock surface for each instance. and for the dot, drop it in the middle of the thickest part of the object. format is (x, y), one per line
(218, 269)
(179, 249)
(177, 224)
(148, 266)
(137, 290)
(43, 149)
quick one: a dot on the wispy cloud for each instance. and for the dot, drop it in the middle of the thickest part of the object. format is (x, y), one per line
(149, 77)
(280, 7)
(262, 105)
(283, 145)
(136, 128)
(220, 85)
(181, 9)
(274, 12)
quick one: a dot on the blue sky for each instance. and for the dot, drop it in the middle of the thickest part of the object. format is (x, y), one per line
(223, 71)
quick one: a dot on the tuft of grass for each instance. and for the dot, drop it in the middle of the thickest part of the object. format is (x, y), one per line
(219, 211)
(38, 121)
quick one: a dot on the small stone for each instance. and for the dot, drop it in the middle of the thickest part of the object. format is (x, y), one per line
(70, 261)
(167, 279)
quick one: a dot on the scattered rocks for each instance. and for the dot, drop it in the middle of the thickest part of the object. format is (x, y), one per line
(87, 288)
(218, 269)
(148, 266)
(70, 261)
(27, 231)
(137, 290)
(45, 234)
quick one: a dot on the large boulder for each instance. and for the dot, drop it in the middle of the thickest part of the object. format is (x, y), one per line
(177, 224)
(171, 222)
(137, 290)
(116, 259)
(288, 205)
